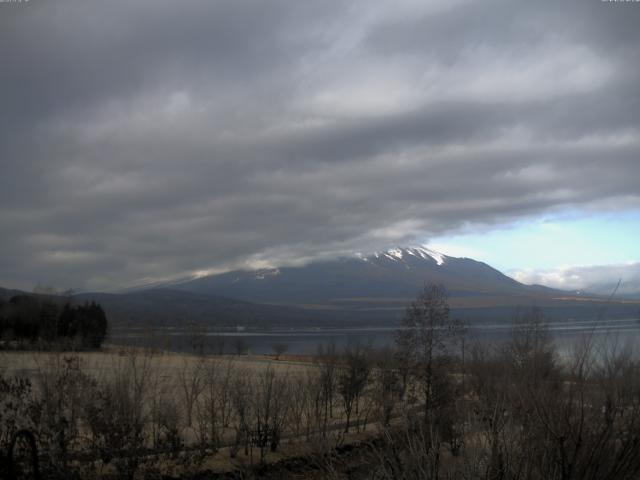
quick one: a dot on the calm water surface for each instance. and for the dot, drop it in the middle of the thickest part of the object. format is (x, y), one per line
(624, 332)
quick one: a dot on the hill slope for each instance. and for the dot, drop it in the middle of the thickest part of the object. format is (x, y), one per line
(391, 277)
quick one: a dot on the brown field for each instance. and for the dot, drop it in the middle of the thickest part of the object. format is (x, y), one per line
(190, 385)
(34, 364)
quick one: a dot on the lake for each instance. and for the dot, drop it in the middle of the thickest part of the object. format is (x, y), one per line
(306, 341)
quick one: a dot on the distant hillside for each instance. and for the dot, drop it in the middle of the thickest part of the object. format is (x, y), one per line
(6, 294)
(161, 307)
(378, 288)
(390, 277)
(166, 307)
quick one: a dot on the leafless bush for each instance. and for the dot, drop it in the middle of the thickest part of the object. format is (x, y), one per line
(409, 452)
(315, 406)
(208, 418)
(241, 392)
(192, 383)
(387, 386)
(327, 361)
(62, 385)
(213, 405)
(167, 423)
(19, 412)
(224, 389)
(240, 346)
(299, 405)
(116, 416)
(353, 376)
(270, 408)
(541, 419)
(279, 349)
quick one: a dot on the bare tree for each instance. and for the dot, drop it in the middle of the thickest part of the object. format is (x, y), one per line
(197, 338)
(352, 379)
(224, 392)
(407, 453)
(279, 349)
(209, 416)
(192, 383)
(219, 342)
(300, 399)
(240, 346)
(315, 410)
(530, 350)
(167, 423)
(115, 415)
(591, 424)
(271, 405)
(423, 341)
(241, 393)
(327, 359)
(387, 386)
(214, 407)
(62, 385)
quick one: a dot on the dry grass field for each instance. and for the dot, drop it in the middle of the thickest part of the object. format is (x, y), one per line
(112, 358)
(182, 412)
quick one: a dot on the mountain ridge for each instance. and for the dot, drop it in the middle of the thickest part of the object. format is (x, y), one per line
(395, 273)
(345, 291)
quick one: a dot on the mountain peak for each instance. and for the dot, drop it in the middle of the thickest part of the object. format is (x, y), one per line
(399, 253)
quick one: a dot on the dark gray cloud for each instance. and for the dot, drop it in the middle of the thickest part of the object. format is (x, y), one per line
(154, 139)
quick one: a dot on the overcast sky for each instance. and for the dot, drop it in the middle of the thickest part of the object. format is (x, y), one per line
(152, 139)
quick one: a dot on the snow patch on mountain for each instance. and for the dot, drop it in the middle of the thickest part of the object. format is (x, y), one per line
(399, 254)
(264, 273)
(437, 256)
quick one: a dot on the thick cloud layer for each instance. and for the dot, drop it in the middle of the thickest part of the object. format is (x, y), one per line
(151, 139)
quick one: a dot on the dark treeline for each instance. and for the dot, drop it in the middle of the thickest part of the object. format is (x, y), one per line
(29, 320)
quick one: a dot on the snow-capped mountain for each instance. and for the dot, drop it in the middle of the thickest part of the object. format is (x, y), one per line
(370, 289)
(387, 278)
